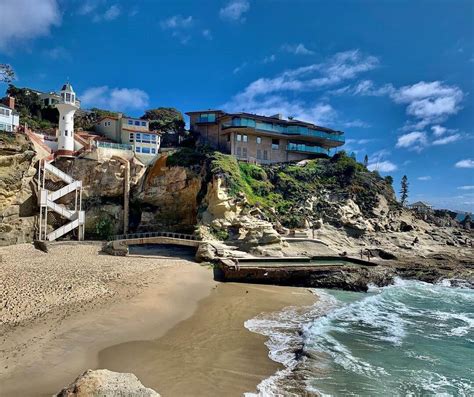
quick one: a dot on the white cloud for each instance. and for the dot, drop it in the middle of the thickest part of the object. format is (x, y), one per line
(382, 166)
(207, 34)
(297, 49)
(466, 187)
(112, 12)
(22, 20)
(438, 130)
(235, 10)
(414, 141)
(177, 22)
(265, 95)
(58, 53)
(269, 59)
(178, 25)
(447, 139)
(239, 68)
(467, 163)
(430, 102)
(424, 178)
(116, 99)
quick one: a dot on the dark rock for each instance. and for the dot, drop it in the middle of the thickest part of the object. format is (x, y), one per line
(41, 245)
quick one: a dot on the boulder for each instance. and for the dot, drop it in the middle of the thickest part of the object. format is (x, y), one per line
(206, 253)
(105, 383)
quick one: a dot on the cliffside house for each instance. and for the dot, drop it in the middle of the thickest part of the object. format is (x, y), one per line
(130, 132)
(9, 117)
(421, 207)
(261, 139)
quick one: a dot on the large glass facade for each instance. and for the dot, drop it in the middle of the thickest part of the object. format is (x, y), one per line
(206, 118)
(301, 147)
(283, 129)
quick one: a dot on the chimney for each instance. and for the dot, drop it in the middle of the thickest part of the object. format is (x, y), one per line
(9, 101)
(119, 115)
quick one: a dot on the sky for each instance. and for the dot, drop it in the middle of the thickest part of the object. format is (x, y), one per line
(396, 76)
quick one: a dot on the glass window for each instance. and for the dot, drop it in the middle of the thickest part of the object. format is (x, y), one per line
(259, 154)
(68, 97)
(211, 117)
(72, 98)
(146, 138)
(145, 150)
(9, 127)
(153, 151)
(131, 137)
(130, 122)
(144, 123)
(244, 152)
(153, 138)
(259, 140)
(138, 137)
(265, 155)
(275, 144)
(245, 138)
(239, 151)
(137, 122)
(239, 138)
(138, 149)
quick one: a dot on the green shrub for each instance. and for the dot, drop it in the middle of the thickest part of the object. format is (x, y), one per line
(104, 227)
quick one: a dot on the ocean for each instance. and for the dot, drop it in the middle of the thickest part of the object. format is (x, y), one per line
(407, 339)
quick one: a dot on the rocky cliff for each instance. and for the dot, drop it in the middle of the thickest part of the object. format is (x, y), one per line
(17, 190)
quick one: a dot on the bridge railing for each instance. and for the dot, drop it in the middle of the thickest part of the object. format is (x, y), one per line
(130, 236)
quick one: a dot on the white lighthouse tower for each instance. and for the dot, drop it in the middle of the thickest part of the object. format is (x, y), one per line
(66, 106)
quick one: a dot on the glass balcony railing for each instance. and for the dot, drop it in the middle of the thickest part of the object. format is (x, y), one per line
(283, 129)
(300, 147)
(117, 146)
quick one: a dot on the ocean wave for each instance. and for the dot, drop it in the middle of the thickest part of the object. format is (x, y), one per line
(408, 338)
(285, 339)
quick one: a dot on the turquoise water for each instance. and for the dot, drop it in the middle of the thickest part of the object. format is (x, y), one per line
(409, 339)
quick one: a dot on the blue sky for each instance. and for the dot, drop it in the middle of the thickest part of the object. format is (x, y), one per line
(396, 76)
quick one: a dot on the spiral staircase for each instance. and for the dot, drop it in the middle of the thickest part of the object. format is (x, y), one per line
(51, 212)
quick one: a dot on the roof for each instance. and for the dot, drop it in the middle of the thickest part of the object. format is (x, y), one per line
(204, 111)
(270, 119)
(67, 87)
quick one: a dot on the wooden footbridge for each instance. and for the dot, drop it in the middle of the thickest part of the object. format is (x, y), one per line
(118, 245)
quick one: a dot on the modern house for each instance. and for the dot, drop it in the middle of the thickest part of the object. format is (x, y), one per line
(421, 207)
(9, 118)
(130, 132)
(261, 139)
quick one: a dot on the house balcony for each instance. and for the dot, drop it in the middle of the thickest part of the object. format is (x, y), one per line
(302, 148)
(335, 139)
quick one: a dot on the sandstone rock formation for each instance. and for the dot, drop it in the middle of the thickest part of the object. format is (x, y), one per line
(105, 383)
(18, 205)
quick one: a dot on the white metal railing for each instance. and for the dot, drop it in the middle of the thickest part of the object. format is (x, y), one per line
(47, 202)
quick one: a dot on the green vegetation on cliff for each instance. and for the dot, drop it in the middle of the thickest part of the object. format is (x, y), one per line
(282, 190)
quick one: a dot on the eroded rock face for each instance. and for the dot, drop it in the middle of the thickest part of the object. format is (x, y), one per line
(105, 383)
(169, 198)
(18, 205)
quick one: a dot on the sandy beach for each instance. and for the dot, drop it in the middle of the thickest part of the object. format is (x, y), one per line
(162, 318)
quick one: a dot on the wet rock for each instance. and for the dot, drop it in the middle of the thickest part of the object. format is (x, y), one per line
(105, 383)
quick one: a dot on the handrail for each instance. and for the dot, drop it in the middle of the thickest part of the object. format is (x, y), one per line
(181, 236)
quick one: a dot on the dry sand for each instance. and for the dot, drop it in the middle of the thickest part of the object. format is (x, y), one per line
(163, 319)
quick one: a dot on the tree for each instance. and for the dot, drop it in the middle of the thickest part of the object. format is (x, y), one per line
(389, 179)
(366, 161)
(404, 190)
(7, 74)
(169, 121)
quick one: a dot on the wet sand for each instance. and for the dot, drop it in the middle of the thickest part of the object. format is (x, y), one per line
(162, 318)
(211, 353)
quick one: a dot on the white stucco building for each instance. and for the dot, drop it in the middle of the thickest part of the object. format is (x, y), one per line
(9, 118)
(131, 133)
